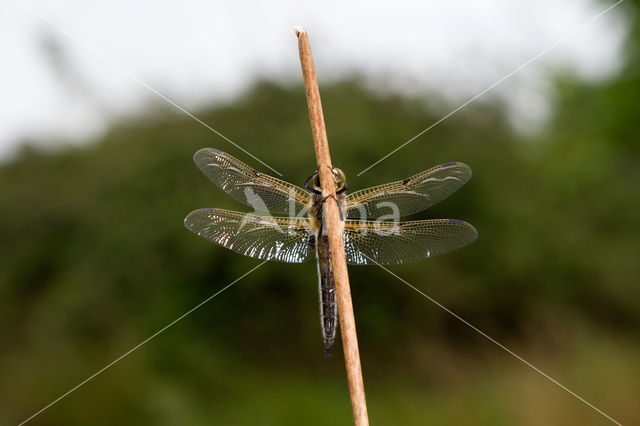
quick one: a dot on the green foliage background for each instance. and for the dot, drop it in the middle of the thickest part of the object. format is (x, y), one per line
(94, 259)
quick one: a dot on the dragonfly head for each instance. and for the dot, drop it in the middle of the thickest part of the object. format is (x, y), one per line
(339, 178)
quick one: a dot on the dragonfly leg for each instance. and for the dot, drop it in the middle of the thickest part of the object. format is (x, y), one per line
(310, 187)
(340, 212)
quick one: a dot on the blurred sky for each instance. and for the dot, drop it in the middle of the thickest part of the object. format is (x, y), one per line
(197, 51)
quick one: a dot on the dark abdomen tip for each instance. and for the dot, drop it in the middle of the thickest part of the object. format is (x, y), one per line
(327, 351)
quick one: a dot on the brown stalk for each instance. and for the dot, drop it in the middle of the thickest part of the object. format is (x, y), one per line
(336, 244)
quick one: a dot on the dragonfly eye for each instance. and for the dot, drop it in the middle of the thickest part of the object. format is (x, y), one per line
(339, 178)
(316, 182)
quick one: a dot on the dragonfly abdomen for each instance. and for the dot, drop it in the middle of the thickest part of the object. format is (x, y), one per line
(326, 288)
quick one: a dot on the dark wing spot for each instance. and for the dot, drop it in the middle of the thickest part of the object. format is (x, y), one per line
(299, 229)
(256, 173)
(406, 181)
(456, 222)
(453, 163)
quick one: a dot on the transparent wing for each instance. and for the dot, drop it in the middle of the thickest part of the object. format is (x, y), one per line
(395, 243)
(247, 185)
(410, 195)
(282, 239)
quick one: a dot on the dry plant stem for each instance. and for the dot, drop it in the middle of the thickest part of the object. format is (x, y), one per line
(336, 245)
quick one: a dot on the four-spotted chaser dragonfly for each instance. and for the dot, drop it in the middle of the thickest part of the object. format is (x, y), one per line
(369, 236)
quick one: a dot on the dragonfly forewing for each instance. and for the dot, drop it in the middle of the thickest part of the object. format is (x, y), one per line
(262, 192)
(408, 196)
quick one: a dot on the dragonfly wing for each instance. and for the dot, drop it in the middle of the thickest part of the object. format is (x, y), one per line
(410, 195)
(395, 243)
(284, 239)
(247, 185)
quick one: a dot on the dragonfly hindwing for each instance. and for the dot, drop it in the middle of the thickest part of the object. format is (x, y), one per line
(283, 239)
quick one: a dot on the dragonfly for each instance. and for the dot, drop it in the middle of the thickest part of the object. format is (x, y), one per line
(371, 230)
